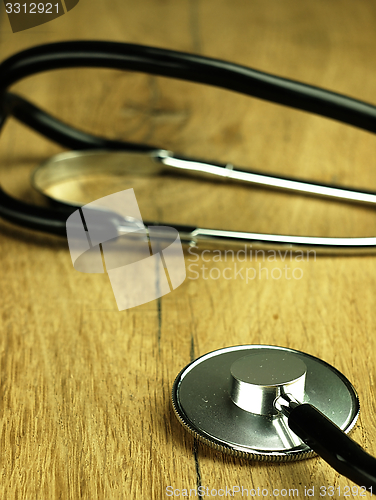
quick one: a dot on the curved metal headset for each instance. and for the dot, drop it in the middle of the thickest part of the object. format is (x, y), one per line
(168, 63)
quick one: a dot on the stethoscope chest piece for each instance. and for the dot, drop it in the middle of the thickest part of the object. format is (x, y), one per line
(232, 399)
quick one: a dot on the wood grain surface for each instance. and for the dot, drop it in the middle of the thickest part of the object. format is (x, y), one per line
(85, 389)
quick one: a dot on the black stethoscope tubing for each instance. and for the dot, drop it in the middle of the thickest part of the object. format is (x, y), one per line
(155, 61)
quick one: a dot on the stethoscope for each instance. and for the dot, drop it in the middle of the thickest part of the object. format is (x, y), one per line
(90, 149)
(274, 404)
(258, 402)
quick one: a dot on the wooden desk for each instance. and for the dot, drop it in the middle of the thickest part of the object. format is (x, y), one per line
(85, 389)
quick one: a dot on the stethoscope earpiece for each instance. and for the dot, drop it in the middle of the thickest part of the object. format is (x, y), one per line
(92, 152)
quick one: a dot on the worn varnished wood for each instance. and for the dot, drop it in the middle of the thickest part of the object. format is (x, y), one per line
(84, 407)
